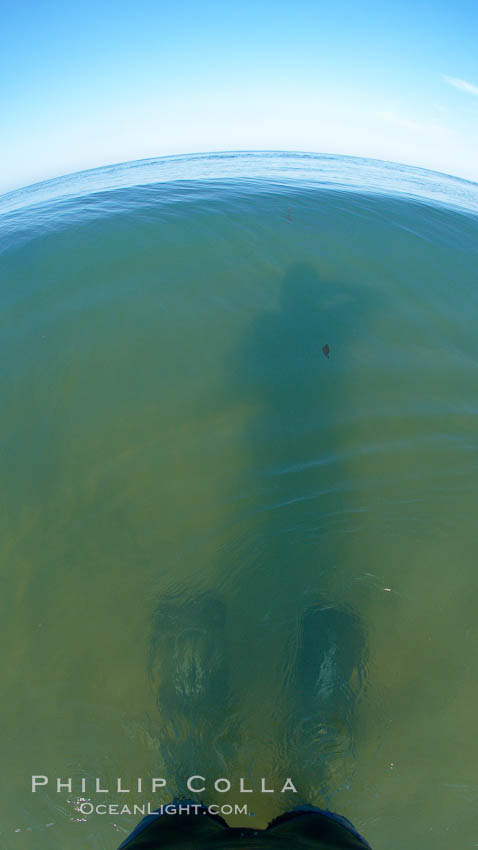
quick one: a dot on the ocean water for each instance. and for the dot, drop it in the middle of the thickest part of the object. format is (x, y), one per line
(239, 447)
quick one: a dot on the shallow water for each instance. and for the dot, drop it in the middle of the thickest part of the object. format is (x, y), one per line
(172, 431)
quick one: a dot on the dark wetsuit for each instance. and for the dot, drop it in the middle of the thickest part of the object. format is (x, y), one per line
(302, 829)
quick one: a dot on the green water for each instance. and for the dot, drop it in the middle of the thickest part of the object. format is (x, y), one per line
(171, 427)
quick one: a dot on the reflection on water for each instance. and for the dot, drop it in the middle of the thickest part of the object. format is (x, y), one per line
(223, 551)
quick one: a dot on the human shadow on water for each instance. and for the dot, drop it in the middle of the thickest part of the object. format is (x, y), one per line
(295, 659)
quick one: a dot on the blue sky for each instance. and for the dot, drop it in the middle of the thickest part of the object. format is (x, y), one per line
(93, 83)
